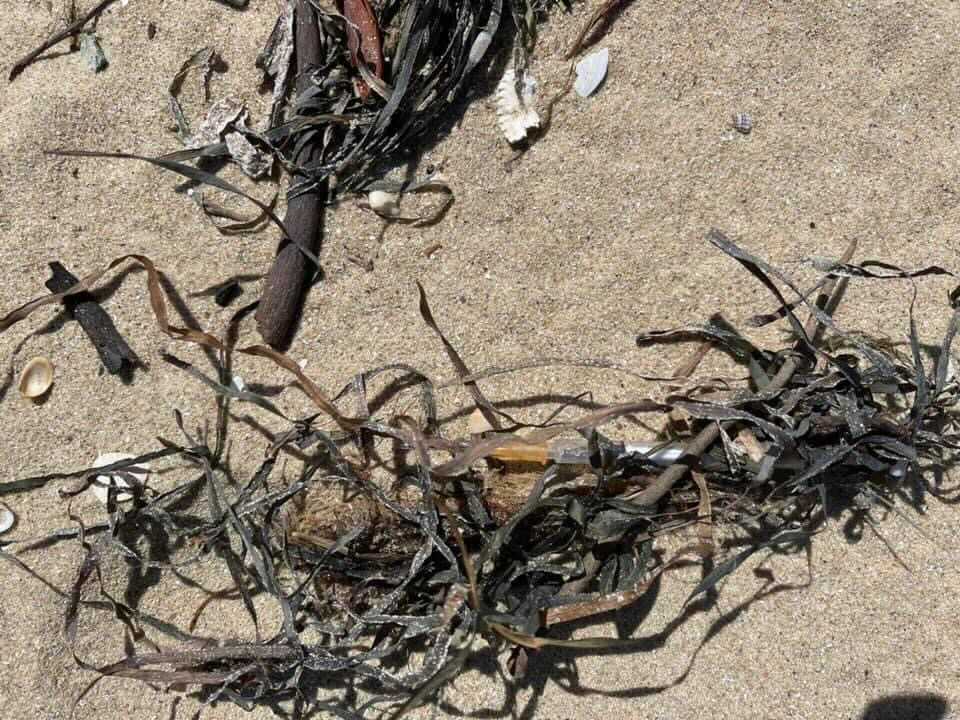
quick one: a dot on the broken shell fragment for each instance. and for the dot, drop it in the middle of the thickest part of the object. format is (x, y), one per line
(7, 519)
(383, 203)
(478, 423)
(102, 483)
(591, 72)
(515, 112)
(742, 123)
(36, 378)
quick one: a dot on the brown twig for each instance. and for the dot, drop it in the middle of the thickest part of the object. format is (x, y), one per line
(286, 282)
(69, 31)
(706, 437)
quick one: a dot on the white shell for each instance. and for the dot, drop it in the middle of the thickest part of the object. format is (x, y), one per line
(591, 71)
(515, 113)
(101, 482)
(7, 519)
(383, 203)
(477, 424)
(237, 383)
(36, 378)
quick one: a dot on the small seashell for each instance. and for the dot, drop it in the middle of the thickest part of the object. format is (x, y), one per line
(591, 72)
(102, 482)
(742, 123)
(383, 203)
(478, 424)
(237, 383)
(515, 113)
(7, 519)
(36, 378)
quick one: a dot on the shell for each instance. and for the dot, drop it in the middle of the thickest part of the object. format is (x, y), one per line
(383, 203)
(515, 113)
(742, 123)
(36, 378)
(101, 482)
(591, 72)
(477, 424)
(7, 519)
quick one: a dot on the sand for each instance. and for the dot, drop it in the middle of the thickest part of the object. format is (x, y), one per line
(596, 233)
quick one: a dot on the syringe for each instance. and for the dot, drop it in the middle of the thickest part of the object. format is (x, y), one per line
(577, 452)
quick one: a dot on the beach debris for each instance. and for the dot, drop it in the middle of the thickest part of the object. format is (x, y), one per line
(379, 77)
(36, 378)
(591, 72)
(253, 162)
(92, 53)
(478, 423)
(384, 196)
(276, 59)
(70, 31)
(227, 120)
(7, 518)
(114, 352)
(742, 123)
(119, 479)
(479, 49)
(201, 61)
(219, 117)
(296, 261)
(463, 539)
(151, 30)
(240, 223)
(365, 47)
(515, 105)
(383, 203)
(227, 293)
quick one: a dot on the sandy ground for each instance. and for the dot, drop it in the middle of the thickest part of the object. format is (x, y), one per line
(596, 233)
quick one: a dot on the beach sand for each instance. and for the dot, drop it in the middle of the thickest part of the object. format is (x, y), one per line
(596, 233)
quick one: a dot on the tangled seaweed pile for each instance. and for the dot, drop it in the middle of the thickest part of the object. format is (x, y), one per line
(355, 86)
(396, 550)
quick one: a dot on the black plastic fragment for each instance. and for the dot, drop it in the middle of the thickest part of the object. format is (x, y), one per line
(115, 353)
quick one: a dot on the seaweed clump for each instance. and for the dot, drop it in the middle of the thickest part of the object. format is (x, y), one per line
(395, 549)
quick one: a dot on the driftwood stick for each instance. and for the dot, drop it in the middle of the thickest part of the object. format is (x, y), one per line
(709, 435)
(286, 282)
(114, 352)
(68, 31)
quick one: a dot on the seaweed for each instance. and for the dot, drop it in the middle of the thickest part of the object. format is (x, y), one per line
(394, 549)
(370, 81)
